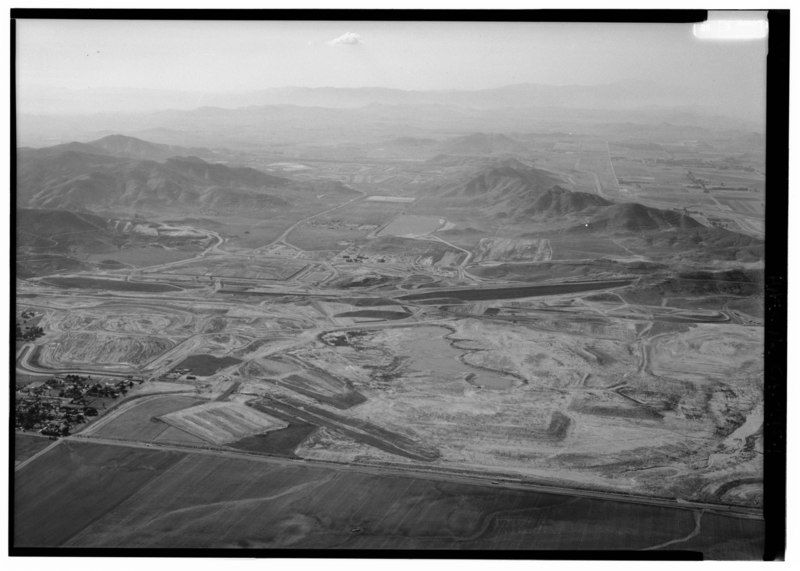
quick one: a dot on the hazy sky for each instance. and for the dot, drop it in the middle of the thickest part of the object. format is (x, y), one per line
(237, 56)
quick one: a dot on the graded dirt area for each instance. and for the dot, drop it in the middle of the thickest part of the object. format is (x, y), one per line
(245, 267)
(545, 399)
(104, 349)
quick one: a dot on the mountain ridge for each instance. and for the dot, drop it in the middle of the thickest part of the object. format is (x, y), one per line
(62, 177)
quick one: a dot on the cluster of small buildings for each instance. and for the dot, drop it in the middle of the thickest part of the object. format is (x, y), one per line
(355, 258)
(177, 373)
(54, 406)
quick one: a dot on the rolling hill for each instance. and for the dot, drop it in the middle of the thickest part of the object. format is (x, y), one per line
(635, 217)
(79, 176)
(120, 146)
(558, 201)
(52, 240)
(37, 228)
(482, 144)
(508, 188)
(519, 194)
(502, 180)
(133, 148)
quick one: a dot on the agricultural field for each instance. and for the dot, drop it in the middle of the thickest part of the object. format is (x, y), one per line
(221, 422)
(179, 499)
(205, 365)
(139, 421)
(81, 483)
(27, 445)
(283, 442)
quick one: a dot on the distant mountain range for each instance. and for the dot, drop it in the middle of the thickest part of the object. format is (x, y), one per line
(124, 173)
(304, 114)
(119, 146)
(617, 95)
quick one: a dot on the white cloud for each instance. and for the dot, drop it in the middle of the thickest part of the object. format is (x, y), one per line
(348, 39)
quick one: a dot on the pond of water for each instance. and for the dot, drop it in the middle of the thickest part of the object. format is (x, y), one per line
(428, 350)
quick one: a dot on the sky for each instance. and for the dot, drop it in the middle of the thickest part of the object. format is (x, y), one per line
(202, 56)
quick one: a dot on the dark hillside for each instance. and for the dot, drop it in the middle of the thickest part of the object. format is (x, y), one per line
(634, 217)
(63, 178)
(558, 201)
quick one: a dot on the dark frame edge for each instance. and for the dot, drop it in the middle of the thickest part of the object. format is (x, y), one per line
(775, 286)
(675, 16)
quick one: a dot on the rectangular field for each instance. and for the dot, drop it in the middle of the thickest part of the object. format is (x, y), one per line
(138, 420)
(205, 365)
(222, 422)
(74, 484)
(26, 445)
(205, 501)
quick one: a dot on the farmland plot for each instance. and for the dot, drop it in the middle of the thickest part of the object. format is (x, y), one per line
(26, 445)
(74, 484)
(222, 422)
(139, 421)
(201, 501)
